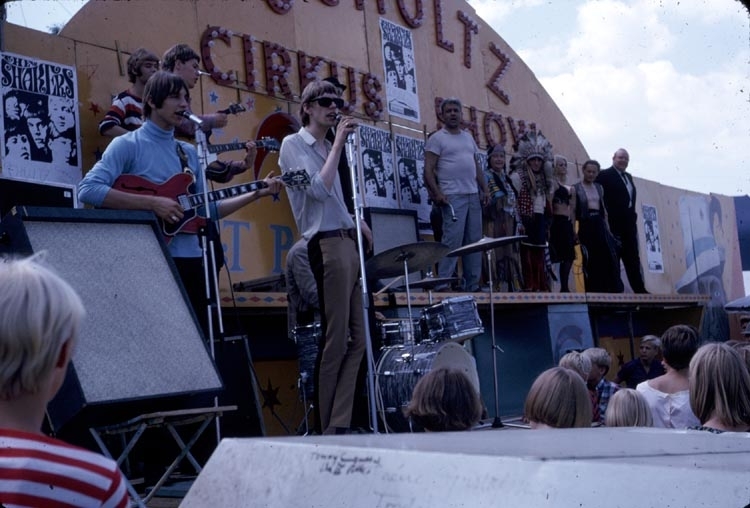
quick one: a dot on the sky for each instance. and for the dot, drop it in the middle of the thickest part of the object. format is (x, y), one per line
(667, 80)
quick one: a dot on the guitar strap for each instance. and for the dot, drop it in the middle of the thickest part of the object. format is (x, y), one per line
(184, 160)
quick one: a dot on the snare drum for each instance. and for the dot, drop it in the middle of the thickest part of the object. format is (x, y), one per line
(396, 332)
(307, 338)
(454, 319)
(400, 368)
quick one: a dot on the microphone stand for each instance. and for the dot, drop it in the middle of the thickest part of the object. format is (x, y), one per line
(210, 277)
(351, 153)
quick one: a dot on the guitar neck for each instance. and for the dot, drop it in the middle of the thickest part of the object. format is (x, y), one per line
(197, 200)
(265, 144)
(226, 147)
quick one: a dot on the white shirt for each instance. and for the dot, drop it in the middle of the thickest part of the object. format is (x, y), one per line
(315, 208)
(669, 410)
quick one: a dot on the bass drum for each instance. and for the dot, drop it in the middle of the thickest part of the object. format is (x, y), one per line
(400, 368)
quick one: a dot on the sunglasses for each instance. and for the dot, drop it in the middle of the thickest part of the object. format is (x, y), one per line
(327, 101)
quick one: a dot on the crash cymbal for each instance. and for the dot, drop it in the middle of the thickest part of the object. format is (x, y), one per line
(485, 243)
(419, 256)
(432, 282)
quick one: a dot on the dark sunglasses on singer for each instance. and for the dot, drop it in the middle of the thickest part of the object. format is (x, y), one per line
(327, 101)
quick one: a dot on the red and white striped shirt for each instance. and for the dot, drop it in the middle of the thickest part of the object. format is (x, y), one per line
(39, 471)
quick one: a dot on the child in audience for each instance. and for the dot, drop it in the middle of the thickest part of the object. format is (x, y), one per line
(40, 315)
(558, 399)
(444, 399)
(628, 408)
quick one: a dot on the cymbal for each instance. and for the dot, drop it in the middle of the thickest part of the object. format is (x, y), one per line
(485, 243)
(432, 282)
(418, 256)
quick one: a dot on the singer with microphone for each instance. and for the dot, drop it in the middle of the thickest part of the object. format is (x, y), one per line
(323, 220)
(152, 153)
(183, 61)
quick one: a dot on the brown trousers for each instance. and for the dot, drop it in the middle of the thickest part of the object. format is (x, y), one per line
(335, 264)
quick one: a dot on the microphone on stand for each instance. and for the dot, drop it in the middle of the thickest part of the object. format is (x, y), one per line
(187, 114)
(203, 73)
(453, 213)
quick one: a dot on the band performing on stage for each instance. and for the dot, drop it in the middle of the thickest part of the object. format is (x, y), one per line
(383, 258)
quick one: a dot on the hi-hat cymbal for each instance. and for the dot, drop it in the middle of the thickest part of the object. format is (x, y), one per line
(432, 282)
(418, 256)
(485, 243)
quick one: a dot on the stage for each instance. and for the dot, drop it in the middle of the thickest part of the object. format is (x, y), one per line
(532, 331)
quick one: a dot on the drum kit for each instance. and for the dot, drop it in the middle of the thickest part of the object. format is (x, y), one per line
(412, 347)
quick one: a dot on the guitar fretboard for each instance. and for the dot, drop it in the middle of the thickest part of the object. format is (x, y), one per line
(229, 192)
(227, 147)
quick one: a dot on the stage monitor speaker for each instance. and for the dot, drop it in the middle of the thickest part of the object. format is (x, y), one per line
(140, 339)
(392, 228)
(15, 192)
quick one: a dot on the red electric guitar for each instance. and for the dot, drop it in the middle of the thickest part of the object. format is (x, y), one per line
(179, 188)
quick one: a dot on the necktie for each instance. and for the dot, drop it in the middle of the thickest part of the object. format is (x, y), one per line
(629, 187)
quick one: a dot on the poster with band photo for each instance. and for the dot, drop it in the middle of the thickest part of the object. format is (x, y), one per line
(653, 241)
(399, 71)
(40, 126)
(410, 170)
(378, 175)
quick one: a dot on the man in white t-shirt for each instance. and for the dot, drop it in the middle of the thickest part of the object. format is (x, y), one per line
(457, 186)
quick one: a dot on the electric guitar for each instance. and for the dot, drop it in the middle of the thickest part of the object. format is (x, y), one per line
(179, 188)
(225, 172)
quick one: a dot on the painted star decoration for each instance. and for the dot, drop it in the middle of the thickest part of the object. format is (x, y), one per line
(250, 103)
(270, 396)
(213, 97)
(94, 108)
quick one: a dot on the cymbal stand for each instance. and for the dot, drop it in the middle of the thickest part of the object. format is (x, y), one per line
(351, 158)
(496, 423)
(406, 256)
(302, 381)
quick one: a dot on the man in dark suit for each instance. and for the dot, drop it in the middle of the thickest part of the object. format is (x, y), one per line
(619, 199)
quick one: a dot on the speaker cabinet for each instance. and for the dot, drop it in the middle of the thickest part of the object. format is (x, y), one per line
(392, 228)
(140, 340)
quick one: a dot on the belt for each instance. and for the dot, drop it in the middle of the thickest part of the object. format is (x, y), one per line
(337, 233)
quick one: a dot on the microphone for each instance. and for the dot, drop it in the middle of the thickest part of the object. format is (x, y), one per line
(187, 114)
(453, 213)
(203, 73)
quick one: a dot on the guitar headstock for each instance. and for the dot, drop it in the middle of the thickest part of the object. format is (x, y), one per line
(268, 144)
(234, 109)
(296, 178)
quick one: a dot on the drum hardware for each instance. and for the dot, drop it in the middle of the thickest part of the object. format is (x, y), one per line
(429, 283)
(307, 338)
(398, 260)
(488, 244)
(400, 332)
